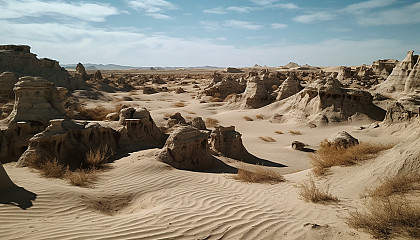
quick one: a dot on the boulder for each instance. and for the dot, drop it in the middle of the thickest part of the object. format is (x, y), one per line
(233, 70)
(289, 87)
(227, 141)
(149, 90)
(342, 140)
(187, 148)
(198, 123)
(176, 119)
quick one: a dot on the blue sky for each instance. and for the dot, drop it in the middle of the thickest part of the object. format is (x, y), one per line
(217, 33)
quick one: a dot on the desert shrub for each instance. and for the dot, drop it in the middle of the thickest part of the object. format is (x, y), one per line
(267, 139)
(248, 118)
(81, 177)
(260, 116)
(258, 175)
(215, 99)
(211, 122)
(308, 191)
(295, 132)
(278, 132)
(388, 217)
(179, 104)
(400, 184)
(51, 168)
(330, 155)
(96, 158)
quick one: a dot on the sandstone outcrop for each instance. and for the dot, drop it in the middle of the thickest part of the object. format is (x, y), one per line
(342, 140)
(344, 73)
(176, 119)
(224, 88)
(187, 148)
(289, 87)
(412, 83)
(233, 70)
(81, 71)
(384, 67)
(396, 113)
(227, 141)
(7, 83)
(19, 60)
(5, 181)
(198, 123)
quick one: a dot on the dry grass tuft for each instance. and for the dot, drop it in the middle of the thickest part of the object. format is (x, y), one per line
(267, 139)
(215, 99)
(179, 104)
(98, 157)
(328, 156)
(260, 116)
(211, 122)
(295, 132)
(81, 177)
(389, 217)
(310, 192)
(400, 184)
(248, 118)
(278, 132)
(51, 168)
(259, 175)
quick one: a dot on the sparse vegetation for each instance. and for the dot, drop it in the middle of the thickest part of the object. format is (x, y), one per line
(400, 184)
(215, 99)
(278, 132)
(97, 113)
(295, 132)
(267, 139)
(81, 177)
(259, 174)
(95, 158)
(248, 118)
(179, 104)
(260, 116)
(211, 122)
(310, 192)
(51, 168)
(386, 217)
(328, 155)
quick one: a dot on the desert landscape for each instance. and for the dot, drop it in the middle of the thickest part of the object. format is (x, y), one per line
(288, 152)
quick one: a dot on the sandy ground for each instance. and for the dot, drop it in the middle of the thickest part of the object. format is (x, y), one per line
(140, 198)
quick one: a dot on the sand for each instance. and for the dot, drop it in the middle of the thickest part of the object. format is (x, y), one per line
(141, 198)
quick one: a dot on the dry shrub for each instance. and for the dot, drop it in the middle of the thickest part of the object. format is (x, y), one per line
(295, 132)
(310, 192)
(260, 116)
(96, 158)
(388, 217)
(215, 99)
(400, 184)
(211, 122)
(179, 104)
(329, 155)
(51, 168)
(278, 132)
(267, 139)
(248, 118)
(259, 175)
(81, 177)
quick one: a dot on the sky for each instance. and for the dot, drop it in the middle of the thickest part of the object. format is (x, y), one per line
(171, 33)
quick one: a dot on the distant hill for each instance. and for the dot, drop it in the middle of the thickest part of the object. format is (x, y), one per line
(93, 66)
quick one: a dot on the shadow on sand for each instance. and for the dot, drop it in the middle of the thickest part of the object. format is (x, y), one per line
(17, 196)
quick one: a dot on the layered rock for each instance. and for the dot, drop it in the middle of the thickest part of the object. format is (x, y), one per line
(198, 123)
(224, 88)
(384, 67)
(396, 113)
(20, 61)
(289, 87)
(187, 148)
(412, 83)
(254, 96)
(344, 73)
(81, 71)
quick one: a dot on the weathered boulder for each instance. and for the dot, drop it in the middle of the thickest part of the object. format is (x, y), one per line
(397, 113)
(198, 123)
(289, 87)
(223, 88)
(80, 70)
(344, 73)
(254, 96)
(342, 140)
(227, 141)
(149, 90)
(384, 67)
(176, 119)
(233, 70)
(97, 75)
(187, 148)
(7, 83)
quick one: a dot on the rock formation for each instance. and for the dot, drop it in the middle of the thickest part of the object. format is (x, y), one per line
(328, 99)
(342, 140)
(81, 71)
(384, 67)
(5, 181)
(7, 83)
(97, 75)
(233, 70)
(412, 83)
(224, 88)
(344, 73)
(289, 87)
(187, 148)
(227, 141)
(399, 80)
(396, 113)
(198, 123)
(19, 60)
(176, 119)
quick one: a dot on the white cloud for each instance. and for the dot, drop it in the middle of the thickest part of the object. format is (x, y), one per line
(153, 8)
(240, 9)
(263, 2)
(95, 12)
(210, 25)
(314, 17)
(85, 43)
(404, 15)
(278, 25)
(368, 5)
(218, 10)
(274, 4)
(287, 6)
(242, 24)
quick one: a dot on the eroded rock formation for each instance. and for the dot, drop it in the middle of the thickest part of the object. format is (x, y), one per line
(289, 87)
(227, 141)
(223, 88)
(187, 148)
(7, 83)
(5, 181)
(342, 140)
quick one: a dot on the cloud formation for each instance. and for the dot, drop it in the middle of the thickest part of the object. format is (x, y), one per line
(153, 8)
